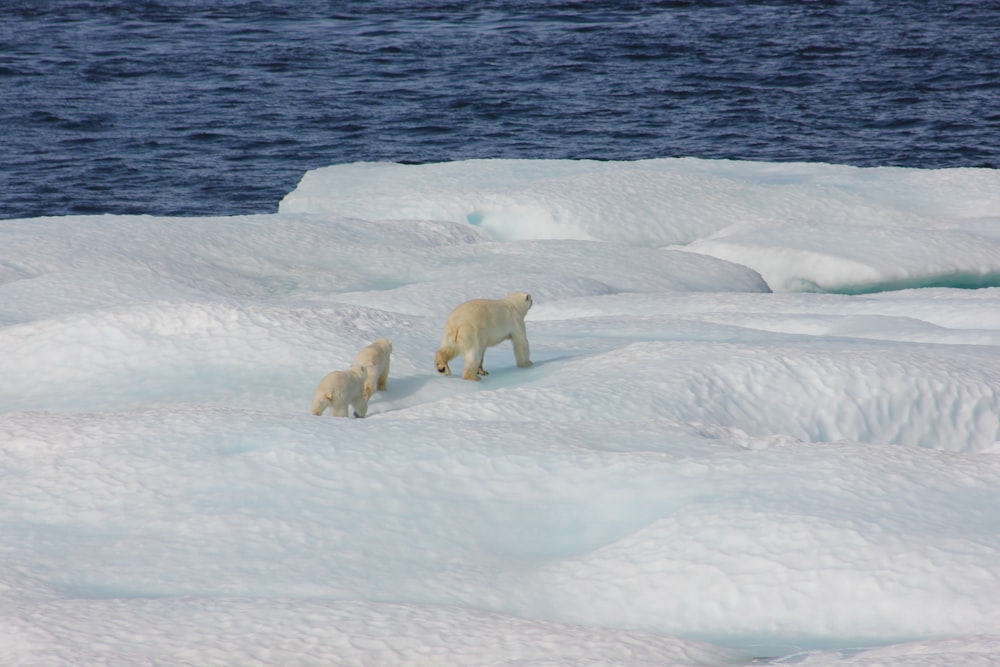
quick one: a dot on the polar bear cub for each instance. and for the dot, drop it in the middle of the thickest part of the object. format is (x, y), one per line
(481, 323)
(339, 389)
(375, 360)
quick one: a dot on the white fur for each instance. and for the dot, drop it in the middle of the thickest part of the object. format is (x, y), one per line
(375, 360)
(481, 323)
(339, 389)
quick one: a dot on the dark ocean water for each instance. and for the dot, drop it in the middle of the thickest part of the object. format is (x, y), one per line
(184, 107)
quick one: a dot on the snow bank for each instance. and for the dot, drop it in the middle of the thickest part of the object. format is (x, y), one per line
(696, 470)
(804, 227)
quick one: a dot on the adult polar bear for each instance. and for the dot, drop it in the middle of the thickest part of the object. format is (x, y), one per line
(481, 323)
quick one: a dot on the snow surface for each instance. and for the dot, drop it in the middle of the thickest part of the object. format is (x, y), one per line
(763, 423)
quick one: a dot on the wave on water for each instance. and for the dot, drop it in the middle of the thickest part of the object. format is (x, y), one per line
(189, 108)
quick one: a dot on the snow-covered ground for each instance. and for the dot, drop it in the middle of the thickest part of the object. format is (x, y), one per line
(762, 423)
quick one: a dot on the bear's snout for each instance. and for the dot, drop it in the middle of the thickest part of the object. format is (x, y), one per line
(442, 369)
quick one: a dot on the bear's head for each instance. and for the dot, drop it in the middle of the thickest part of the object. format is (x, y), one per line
(521, 300)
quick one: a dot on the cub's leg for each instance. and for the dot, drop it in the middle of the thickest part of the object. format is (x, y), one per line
(338, 407)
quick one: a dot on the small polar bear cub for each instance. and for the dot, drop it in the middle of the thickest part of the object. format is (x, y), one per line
(481, 323)
(375, 360)
(339, 389)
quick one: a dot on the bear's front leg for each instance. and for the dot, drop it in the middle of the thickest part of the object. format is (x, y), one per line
(521, 351)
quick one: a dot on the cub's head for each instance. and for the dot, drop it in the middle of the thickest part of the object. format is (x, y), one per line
(521, 300)
(383, 343)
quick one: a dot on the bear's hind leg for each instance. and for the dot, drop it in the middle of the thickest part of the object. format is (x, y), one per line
(445, 353)
(473, 363)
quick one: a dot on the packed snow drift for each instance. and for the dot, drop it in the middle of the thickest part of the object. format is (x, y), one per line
(762, 423)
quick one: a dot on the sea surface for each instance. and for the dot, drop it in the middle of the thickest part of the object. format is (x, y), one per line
(184, 107)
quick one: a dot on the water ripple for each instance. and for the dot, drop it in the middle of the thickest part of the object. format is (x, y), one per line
(182, 109)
